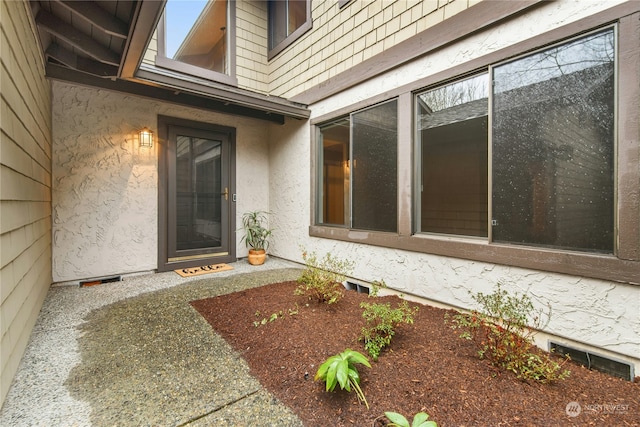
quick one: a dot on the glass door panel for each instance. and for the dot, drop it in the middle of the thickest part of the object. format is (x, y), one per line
(199, 189)
(198, 199)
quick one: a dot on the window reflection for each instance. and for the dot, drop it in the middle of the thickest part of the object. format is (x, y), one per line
(285, 17)
(335, 172)
(553, 146)
(374, 169)
(452, 133)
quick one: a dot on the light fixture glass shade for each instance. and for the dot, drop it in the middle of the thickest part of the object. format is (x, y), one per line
(146, 138)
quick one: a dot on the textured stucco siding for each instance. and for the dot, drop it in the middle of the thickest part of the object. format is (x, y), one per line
(592, 313)
(105, 193)
(25, 185)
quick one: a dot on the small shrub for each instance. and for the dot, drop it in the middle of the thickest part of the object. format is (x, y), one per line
(500, 333)
(375, 288)
(322, 279)
(340, 369)
(419, 420)
(381, 323)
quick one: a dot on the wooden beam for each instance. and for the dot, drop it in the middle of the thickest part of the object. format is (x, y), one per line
(227, 94)
(62, 55)
(62, 73)
(98, 17)
(79, 63)
(143, 23)
(57, 27)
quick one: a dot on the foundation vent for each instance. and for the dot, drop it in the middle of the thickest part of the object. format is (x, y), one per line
(94, 282)
(350, 286)
(594, 361)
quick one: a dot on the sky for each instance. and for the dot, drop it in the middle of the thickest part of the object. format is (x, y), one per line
(181, 15)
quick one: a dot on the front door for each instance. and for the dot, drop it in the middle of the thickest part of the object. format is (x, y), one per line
(197, 208)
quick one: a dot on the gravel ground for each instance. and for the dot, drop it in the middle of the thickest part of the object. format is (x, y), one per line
(135, 353)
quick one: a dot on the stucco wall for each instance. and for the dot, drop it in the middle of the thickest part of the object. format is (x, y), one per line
(25, 186)
(104, 199)
(589, 312)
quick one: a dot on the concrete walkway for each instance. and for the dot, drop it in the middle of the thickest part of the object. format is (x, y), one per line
(135, 353)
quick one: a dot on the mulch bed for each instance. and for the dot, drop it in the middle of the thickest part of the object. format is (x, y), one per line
(426, 368)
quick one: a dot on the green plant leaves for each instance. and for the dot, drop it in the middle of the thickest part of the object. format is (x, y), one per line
(340, 369)
(355, 357)
(342, 374)
(321, 279)
(397, 419)
(256, 234)
(420, 420)
(502, 332)
(381, 323)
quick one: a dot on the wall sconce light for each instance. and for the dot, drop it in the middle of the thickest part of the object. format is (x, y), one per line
(146, 138)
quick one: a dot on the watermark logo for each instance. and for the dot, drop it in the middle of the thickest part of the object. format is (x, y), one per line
(573, 409)
(608, 408)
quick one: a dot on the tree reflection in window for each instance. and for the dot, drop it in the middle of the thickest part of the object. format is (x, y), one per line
(553, 146)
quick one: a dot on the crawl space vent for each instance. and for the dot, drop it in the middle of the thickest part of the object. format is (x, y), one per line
(350, 286)
(94, 282)
(594, 361)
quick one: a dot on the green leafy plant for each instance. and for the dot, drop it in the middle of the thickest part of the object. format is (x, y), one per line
(375, 288)
(256, 235)
(419, 420)
(274, 316)
(501, 334)
(340, 369)
(322, 279)
(381, 321)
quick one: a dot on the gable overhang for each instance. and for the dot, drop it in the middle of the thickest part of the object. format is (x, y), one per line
(101, 45)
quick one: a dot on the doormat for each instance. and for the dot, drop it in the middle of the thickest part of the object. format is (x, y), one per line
(205, 269)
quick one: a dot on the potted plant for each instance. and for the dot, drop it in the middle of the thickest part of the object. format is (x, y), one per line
(256, 236)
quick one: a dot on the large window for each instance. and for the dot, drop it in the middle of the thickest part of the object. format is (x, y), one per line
(196, 37)
(526, 156)
(288, 20)
(452, 143)
(552, 144)
(358, 174)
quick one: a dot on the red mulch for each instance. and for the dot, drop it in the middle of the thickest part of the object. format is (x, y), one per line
(426, 368)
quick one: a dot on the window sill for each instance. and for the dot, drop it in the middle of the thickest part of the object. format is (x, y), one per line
(189, 72)
(596, 266)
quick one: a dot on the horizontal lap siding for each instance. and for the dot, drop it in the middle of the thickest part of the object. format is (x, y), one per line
(25, 186)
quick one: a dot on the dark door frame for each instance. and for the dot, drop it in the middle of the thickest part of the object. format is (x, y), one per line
(164, 123)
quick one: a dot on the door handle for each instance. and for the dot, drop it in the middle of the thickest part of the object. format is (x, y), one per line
(226, 193)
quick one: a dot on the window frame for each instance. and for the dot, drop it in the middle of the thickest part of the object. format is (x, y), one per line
(418, 153)
(622, 266)
(163, 61)
(491, 70)
(291, 38)
(349, 206)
